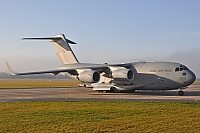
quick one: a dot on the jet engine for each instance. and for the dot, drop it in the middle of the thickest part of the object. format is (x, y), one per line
(88, 76)
(123, 74)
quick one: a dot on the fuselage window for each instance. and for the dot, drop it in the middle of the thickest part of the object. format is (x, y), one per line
(183, 74)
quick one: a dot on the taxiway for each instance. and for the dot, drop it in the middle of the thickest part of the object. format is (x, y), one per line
(192, 94)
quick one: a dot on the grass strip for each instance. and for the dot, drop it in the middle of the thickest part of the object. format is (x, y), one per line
(14, 84)
(33, 83)
(99, 116)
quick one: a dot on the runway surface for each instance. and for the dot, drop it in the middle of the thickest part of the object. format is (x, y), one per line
(192, 94)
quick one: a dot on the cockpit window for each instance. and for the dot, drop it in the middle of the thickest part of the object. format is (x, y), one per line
(177, 69)
(181, 68)
(185, 68)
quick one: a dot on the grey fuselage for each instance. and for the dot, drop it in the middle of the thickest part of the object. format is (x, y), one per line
(163, 75)
(147, 76)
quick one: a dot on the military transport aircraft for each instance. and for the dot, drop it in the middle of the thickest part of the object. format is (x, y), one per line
(117, 77)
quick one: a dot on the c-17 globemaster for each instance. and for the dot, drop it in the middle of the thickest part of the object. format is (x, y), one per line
(117, 77)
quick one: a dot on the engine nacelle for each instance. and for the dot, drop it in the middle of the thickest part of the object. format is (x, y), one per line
(123, 74)
(88, 76)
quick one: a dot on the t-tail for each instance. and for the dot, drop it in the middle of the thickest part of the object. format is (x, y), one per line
(62, 48)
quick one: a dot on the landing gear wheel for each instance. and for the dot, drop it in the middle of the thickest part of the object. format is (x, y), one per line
(113, 89)
(181, 93)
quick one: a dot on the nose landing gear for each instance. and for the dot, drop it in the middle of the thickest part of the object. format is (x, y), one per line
(181, 93)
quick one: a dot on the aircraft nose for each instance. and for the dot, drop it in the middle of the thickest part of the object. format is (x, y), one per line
(191, 77)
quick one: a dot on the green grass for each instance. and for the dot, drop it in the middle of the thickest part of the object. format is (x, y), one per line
(32, 83)
(99, 116)
(6, 84)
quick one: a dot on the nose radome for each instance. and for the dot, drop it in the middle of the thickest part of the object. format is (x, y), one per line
(191, 78)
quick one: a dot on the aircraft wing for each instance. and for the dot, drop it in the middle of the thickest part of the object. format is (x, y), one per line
(57, 71)
(100, 68)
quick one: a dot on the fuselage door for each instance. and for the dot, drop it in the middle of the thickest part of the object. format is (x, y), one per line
(183, 78)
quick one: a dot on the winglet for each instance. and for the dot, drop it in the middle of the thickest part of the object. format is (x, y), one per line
(10, 70)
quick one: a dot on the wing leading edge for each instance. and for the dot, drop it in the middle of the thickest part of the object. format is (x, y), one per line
(99, 67)
(56, 71)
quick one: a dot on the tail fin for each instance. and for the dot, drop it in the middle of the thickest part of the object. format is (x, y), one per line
(62, 48)
(9, 69)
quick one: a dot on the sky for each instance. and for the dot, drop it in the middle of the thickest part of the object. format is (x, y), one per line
(112, 31)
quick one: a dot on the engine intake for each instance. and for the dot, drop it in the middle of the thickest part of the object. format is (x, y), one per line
(89, 76)
(123, 74)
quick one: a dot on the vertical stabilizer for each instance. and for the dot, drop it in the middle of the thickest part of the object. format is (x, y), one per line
(62, 48)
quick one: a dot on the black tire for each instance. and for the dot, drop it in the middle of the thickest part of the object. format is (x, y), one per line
(112, 89)
(181, 93)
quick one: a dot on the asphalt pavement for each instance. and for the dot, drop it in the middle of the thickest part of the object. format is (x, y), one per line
(192, 94)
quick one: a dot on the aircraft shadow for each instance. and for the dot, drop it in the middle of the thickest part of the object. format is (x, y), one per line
(167, 93)
(154, 93)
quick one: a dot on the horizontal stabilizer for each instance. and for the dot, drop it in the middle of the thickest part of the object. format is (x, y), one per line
(49, 38)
